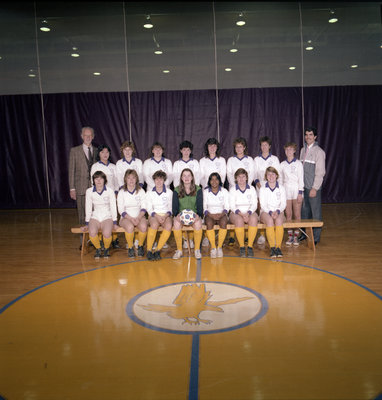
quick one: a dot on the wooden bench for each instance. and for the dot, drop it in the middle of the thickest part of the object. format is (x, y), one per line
(307, 224)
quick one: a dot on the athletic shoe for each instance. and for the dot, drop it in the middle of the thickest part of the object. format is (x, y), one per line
(261, 240)
(192, 244)
(213, 253)
(250, 252)
(157, 256)
(106, 253)
(185, 244)
(205, 241)
(141, 251)
(231, 241)
(242, 251)
(165, 246)
(155, 245)
(198, 254)
(289, 242)
(177, 255)
(97, 254)
(279, 253)
(150, 256)
(219, 252)
(115, 244)
(131, 252)
(273, 252)
(295, 241)
(136, 243)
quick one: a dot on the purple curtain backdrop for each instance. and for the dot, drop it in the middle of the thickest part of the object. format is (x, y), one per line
(348, 119)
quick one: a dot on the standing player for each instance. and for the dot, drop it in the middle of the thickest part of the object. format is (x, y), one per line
(128, 161)
(239, 160)
(186, 161)
(157, 162)
(313, 160)
(262, 162)
(292, 178)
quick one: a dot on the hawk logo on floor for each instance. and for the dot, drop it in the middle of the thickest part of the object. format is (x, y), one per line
(190, 302)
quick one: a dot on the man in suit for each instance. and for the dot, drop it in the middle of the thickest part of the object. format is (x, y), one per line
(81, 159)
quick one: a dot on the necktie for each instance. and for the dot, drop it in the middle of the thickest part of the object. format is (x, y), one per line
(89, 154)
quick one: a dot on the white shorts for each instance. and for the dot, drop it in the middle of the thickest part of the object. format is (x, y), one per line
(291, 192)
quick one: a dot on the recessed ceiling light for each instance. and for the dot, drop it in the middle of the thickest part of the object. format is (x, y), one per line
(158, 51)
(97, 73)
(354, 66)
(309, 48)
(233, 50)
(75, 55)
(292, 68)
(148, 24)
(240, 21)
(332, 19)
(44, 26)
(166, 71)
(228, 69)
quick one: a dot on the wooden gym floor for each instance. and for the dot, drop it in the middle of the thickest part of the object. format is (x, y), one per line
(308, 327)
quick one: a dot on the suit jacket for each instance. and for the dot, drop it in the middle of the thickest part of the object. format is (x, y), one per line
(79, 175)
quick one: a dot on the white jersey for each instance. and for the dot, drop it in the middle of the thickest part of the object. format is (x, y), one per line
(109, 170)
(215, 203)
(123, 165)
(158, 203)
(245, 202)
(292, 174)
(150, 166)
(272, 200)
(100, 206)
(261, 164)
(130, 203)
(234, 163)
(180, 165)
(208, 166)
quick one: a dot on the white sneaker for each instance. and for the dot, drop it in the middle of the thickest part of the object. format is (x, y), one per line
(192, 245)
(155, 246)
(205, 241)
(219, 252)
(198, 254)
(261, 239)
(213, 253)
(295, 241)
(136, 243)
(185, 244)
(177, 255)
(289, 242)
(165, 246)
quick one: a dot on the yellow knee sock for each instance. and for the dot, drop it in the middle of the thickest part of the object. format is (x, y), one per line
(221, 236)
(107, 242)
(95, 241)
(240, 236)
(279, 235)
(129, 239)
(163, 239)
(151, 233)
(198, 238)
(178, 238)
(252, 231)
(141, 238)
(270, 231)
(211, 237)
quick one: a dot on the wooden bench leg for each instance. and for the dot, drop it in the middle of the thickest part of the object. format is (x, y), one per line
(84, 248)
(188, 243)
(310, 238)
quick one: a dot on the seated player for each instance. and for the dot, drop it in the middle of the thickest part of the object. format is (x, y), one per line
(272, 206)
(187, 196)
(243, 204)
(100, 213)
(130, 202)
(158, 204)
(216, 206)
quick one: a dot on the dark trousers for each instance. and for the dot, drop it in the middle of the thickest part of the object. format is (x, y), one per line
(311, 209)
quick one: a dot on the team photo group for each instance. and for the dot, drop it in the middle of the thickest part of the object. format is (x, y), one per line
(143, 197)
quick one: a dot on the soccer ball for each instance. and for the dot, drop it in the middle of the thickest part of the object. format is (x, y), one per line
(187, 217)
